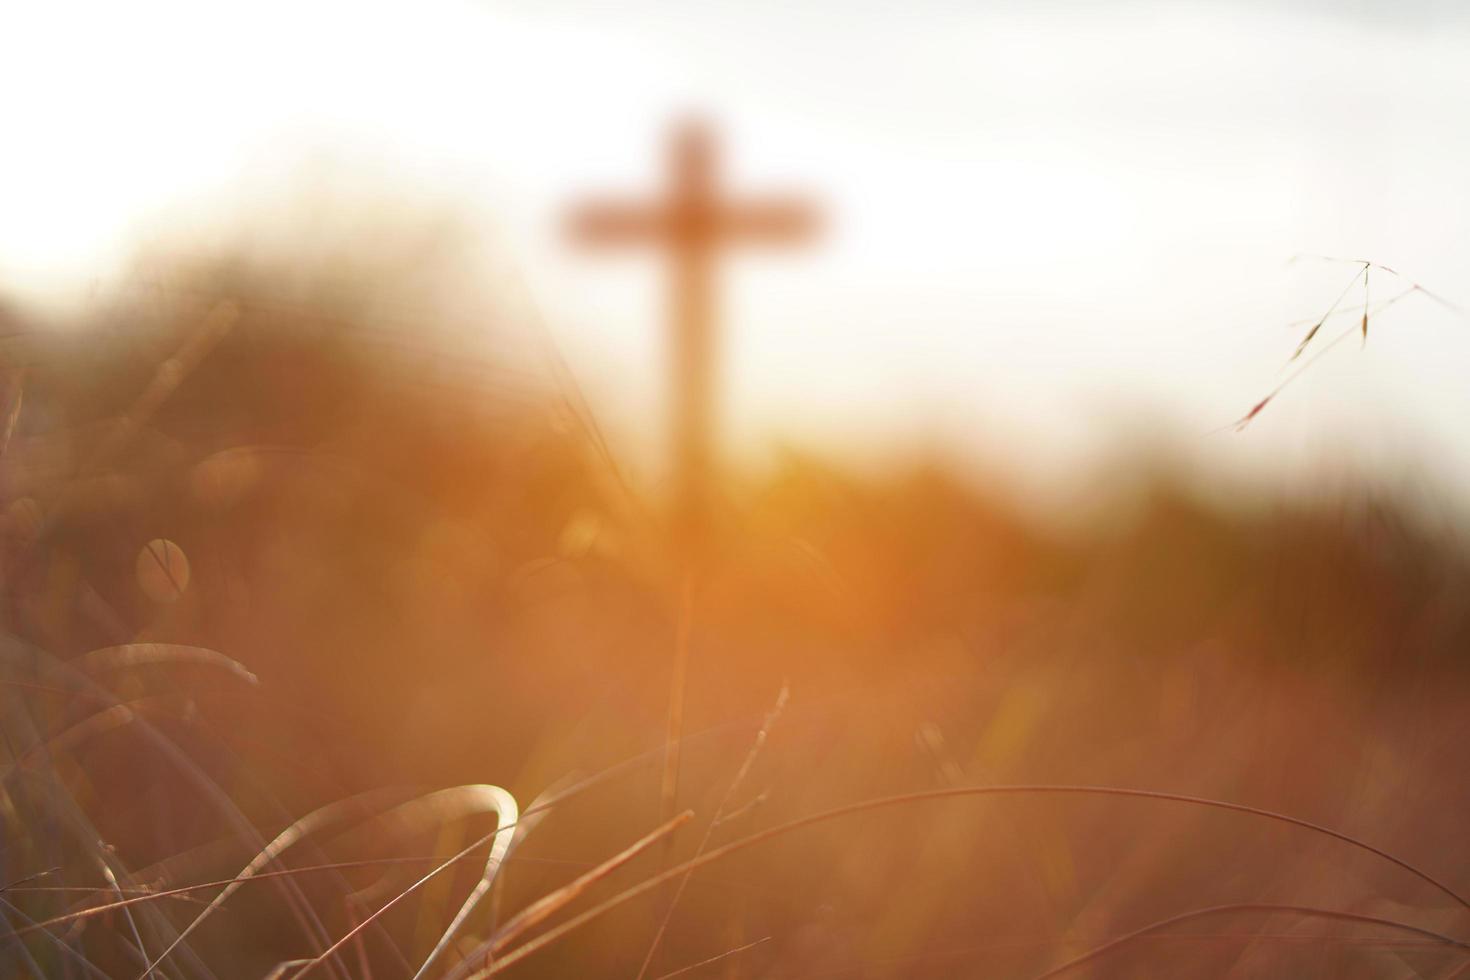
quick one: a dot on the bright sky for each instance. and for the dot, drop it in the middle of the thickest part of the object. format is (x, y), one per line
(1046, 219)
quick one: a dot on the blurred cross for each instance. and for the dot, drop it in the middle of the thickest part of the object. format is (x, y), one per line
(692, 222)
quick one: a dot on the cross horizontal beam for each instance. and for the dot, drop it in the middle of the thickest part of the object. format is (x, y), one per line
(772, 221)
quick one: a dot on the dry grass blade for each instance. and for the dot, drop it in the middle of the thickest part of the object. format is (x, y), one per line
(94, 890)
(1454, 308)
(1344, 261)
(657, 881)
(1308, 338)
(548, 905)
(529, 821)
(507, 813)
(1325, 316)
(1367, 302)
(184, 891)
(142, 654)
(1214, 910)
(27, 879)
(1246, 419)
(1359, 308)
(718, 957)
(409, 819)
(669, 790)
(735, 784)
(1362, 325)
(1256, 409)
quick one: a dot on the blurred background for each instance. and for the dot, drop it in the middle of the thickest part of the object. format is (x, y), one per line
(1047, 220)
(332, 466)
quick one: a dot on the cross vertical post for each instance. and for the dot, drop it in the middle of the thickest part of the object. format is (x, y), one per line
(691, 301)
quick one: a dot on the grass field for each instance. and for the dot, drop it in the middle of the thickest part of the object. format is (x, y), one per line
(287, 591)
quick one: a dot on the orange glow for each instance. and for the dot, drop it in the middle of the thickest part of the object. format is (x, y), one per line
(392, 588)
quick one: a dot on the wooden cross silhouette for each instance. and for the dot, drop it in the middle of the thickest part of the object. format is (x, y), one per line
(692, 222)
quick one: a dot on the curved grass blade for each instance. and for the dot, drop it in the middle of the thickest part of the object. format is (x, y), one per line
(486, 797)
(145, 654)
(1214, 910)
(547, 938)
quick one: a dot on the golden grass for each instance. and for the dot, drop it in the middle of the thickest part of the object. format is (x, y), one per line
(1177, 707)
